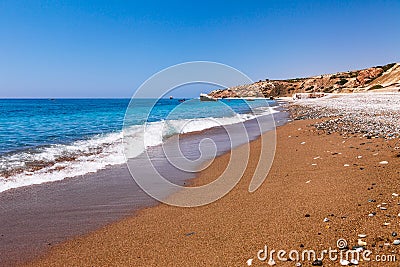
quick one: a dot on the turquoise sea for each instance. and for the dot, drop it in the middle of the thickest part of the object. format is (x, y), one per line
(45, 140)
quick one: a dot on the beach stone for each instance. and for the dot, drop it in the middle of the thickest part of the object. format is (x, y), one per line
(307, 215)
(317, 263)
(394, 234)
(396, 242)
(354, 261)
(344, 262)
(298, 264)
(271, 262)
(362, 235)
(189, 234)
(361, 243)
(384, 162)
(326, 220)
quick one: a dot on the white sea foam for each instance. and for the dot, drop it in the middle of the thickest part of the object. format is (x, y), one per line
(88, 156)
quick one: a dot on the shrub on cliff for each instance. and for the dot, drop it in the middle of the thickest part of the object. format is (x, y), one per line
(342, 81)
(378, 86)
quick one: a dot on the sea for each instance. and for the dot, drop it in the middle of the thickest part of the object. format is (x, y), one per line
(45, 140)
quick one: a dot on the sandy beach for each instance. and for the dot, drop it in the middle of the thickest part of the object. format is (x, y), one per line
(322, 187)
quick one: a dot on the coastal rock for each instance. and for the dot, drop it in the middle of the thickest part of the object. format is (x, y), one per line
(366, 75)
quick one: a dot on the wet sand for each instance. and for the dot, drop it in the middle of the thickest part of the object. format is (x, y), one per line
(33, 219)
(314, 176)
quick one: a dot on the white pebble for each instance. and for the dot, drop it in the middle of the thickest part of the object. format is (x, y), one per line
(326, 220)
(271, 262)
(354, 261)
(346, 165)
(362, 235)
(384, 162)
(361, 243)
(344, 262)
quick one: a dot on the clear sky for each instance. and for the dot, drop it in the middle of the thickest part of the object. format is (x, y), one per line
(108, 48)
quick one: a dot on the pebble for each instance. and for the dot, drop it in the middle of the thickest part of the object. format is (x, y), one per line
(359, 249)
(346, 165)
(317, 263)
(372, 214)
(394, 234)
(384, 162)
(326, 220)
(308, 181)
(371, 200)
(359, 157)
(395, 194)
(298, 264)
(307, 215)
(344, 262)
(189, 234)
(362, 235)
(302, 143)
(383, 208)
(271, 262)
(396, 242)
(386, 224)
(361, 243)
(354, 261)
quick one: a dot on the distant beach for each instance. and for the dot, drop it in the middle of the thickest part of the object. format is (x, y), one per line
(335, 176)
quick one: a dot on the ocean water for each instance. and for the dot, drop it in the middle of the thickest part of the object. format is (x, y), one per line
(44, 140)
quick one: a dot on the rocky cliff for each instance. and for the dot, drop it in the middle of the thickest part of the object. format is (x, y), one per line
(374, 78)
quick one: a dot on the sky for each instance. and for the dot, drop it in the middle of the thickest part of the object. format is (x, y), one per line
(107, 49)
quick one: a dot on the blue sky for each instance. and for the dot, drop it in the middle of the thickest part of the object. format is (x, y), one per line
(108, 48)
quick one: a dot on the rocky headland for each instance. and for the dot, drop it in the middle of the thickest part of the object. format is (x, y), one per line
(381, 78)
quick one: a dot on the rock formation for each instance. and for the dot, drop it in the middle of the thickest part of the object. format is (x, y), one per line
(373, 78)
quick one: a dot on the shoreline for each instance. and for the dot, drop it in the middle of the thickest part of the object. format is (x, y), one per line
(76, 206)
(231, 231)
